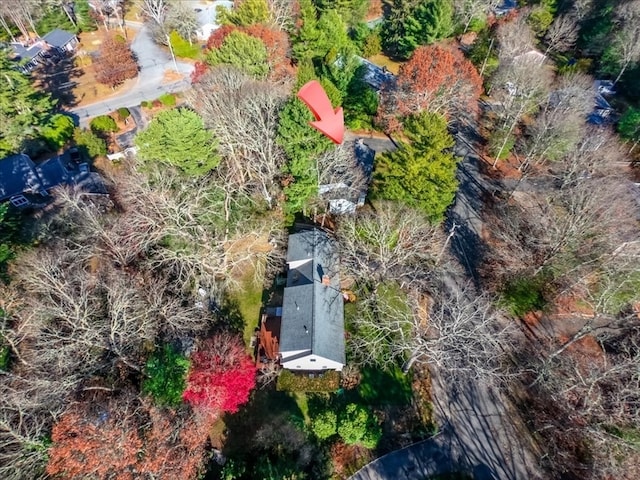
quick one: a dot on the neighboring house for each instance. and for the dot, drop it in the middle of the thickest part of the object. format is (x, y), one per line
(206, 16)
(344, 198)
(505, 7)
(28, 56)
(312, 326)
(23, 183)
(375, 76)
(603, 113)
(61, 40)
(18, 177)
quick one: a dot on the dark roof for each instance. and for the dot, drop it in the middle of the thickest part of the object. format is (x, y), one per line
(376, 76)
(18, 175)
(58, 38)
(26, 53)
(313, 308)
(52, 173)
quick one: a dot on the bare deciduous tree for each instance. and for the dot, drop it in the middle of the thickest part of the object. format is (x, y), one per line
(562, 34)
(469, 10)
(559, 124)
(243, 115)
(452, 330)
(392, 242)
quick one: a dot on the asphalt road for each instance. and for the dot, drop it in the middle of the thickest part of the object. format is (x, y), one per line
(154, 62)
(480, 431)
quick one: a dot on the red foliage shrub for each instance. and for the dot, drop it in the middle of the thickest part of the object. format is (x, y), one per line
(277, 43)
(199, 70)
(435, 78)
(222, 375)
(217, 36)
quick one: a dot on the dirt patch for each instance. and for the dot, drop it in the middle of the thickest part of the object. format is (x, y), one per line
(375, 10)
(171, 76)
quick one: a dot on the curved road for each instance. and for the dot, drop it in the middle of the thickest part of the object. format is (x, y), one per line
(154, 62)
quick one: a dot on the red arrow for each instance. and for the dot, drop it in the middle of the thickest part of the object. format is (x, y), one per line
(329, 122)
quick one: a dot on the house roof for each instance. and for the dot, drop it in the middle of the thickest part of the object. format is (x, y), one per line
(26, 53)
(58, 38)
(18, 175)
(52, 173)
(376, 76)
(312, 308)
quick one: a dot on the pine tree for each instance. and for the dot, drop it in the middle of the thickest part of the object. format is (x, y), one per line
(242, 51)
(421, 173)
(24, 111)
(178, 137)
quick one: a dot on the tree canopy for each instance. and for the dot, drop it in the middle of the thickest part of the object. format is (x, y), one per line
(243, 51)
(421, 173)
(178, 137)
(436, 78)
(24, 111)
(116, 62)
(411, 23)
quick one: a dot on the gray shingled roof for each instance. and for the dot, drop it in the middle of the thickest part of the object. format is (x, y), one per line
(26, 53)
(58, 38)
(313, 311)
(18, 175)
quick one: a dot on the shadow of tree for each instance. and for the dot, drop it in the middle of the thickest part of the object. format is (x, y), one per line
(58, 77)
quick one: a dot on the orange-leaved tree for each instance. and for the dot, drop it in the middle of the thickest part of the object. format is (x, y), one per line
(116, 62)
(124, 438)
(222, 375)
(436, 78)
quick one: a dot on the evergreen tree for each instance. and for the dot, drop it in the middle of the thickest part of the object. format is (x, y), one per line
(249, 12)
(82, 10)
(178, 137)
(410, 23)
(421, 173)
(24, 111)
(242, 51)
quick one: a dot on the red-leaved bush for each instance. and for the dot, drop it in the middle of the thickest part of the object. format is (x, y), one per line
(222, 375)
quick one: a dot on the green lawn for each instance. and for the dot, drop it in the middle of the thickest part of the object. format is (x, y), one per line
(248, 298)
(303, 404)
(385, 387)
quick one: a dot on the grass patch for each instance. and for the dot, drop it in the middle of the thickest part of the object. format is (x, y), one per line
(629, 435)
(294, 382)
(4, 358)
(385, 387)
(248, 298)
(303, 404)
(523, 295)
(383, 61)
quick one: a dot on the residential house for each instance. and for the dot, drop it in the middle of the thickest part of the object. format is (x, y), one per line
(23, 182)
(345, 193)
(312, 326)
(61, 40)
(18, 177)
(28, 55)
(375, 76)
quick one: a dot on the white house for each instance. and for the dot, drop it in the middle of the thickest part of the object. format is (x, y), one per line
(312, 328)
